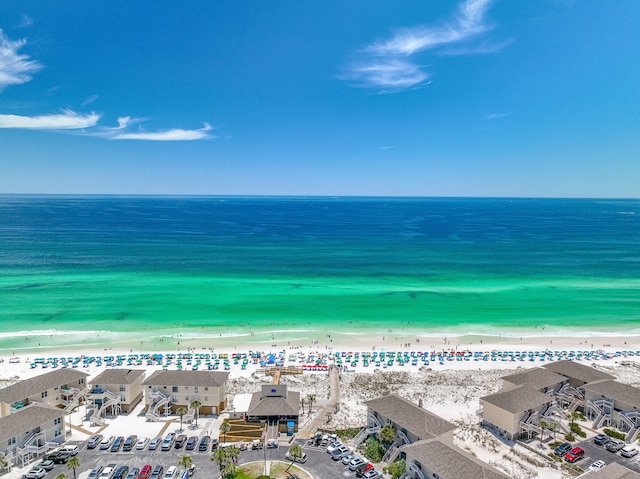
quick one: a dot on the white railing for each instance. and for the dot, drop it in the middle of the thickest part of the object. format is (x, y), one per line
(403, 437)
(415, 469)
(112, 402)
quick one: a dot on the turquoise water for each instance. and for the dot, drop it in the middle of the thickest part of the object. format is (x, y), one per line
(120, 270)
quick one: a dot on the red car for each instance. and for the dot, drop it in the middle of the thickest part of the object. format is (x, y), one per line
(145, 472)
(574, 454)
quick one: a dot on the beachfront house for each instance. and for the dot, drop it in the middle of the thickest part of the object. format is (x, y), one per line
(165, 391)
(517, 411)
(276, 406)
(30, 432)
(437, 459)
(410, 422)
(611, 403)
(63, 388)
(114, 390)
(577, 374)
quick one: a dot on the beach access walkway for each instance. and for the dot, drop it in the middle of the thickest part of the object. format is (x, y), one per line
(327, 408)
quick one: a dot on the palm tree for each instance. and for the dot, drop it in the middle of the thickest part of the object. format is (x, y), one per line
(302, 404)
(195, 404)
(234, 453)
(181, 411)
(185, 461)
(543, 425)
(222, 458)
(72, 463)
(62, 475)
(225, 427)
(310, 399)
(553, 427)
(387, 434)
(295, 451)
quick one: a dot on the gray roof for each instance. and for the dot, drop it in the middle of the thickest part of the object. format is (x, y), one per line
(613, 471)
(518, 399)
(537, 378)
(28, 418)
(187, 378)
(450, 462)
(118, 376)
(575, 370)
(274, 406)
(28, 387)
(618, 391)
(404, 413)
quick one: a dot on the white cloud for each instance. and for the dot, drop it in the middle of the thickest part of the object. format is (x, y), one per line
(67, 120)
(15, 68)
(89, 100)
(389, 65)
(27, 21)
(175, 134)
(496, 116)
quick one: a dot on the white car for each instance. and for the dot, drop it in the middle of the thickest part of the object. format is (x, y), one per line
(301, 459)
(334, 446)
(346, 459)
(372, 474)
(142, 443)
(35, 473)
(597, 465)
(628, 451)
(355, 462)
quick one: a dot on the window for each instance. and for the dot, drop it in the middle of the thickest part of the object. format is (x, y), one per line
(44, 394)
(123, 388)
(195, 389)
(57, 421)
(174, 398)
(11, 441)
(186, 398)
(206, 398)
(174, 389)
(206, 388)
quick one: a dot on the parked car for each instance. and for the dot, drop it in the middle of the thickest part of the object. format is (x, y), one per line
(363, 468)
(35, 473)
(121, 472)
(347, 459)
(145, 472)
(574, 454)
(157, 472)
(117, 444)
(597, 465)
(107, 442)
(333, 446)
(191, 443)
(60, 457)
(355, 462)
(171, 473)
(180, 440)
(167, 443)
(94, 441)
(72, 450)
(154, 443)
(340, 451)
(371, 474)
(95, 472)
(108, 472)
(46, 464)
(204, 443)
(562, 449)
(601, 439)
(130, 442)
(214, 444)
(302, 459)
(257, 444)
(614, 445)
(272, 444)
(628, 451)
(142, 443)
(133, 473)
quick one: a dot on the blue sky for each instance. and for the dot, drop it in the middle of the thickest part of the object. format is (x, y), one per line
(359, 97)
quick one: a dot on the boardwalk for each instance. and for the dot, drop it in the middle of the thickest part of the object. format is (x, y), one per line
(334, 398)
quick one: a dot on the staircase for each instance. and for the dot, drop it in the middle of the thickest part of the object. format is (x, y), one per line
(361, 436)
(391, 454)
(160, 400)
(74, 401)
(109, 400)
(36, 444)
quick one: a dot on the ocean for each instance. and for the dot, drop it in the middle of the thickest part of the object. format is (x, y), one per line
(156, 271)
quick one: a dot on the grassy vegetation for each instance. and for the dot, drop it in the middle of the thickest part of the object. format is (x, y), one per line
(615, 434)
(347, 434)
(576, 429)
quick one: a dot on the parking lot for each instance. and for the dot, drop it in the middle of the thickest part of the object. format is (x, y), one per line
(319, 464)
(594, 452)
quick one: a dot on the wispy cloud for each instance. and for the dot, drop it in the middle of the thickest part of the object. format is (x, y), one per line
(27, 21)
(175, 134)
(67, 120)
(390, 65)
(15, 68)
(496, 116)
(90, 100)
(385, 147)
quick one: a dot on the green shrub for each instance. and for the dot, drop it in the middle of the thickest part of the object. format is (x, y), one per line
(373, 450)
(614, 434)
(347, 434)
(576, 429)
(555, 444)
(570, 437)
